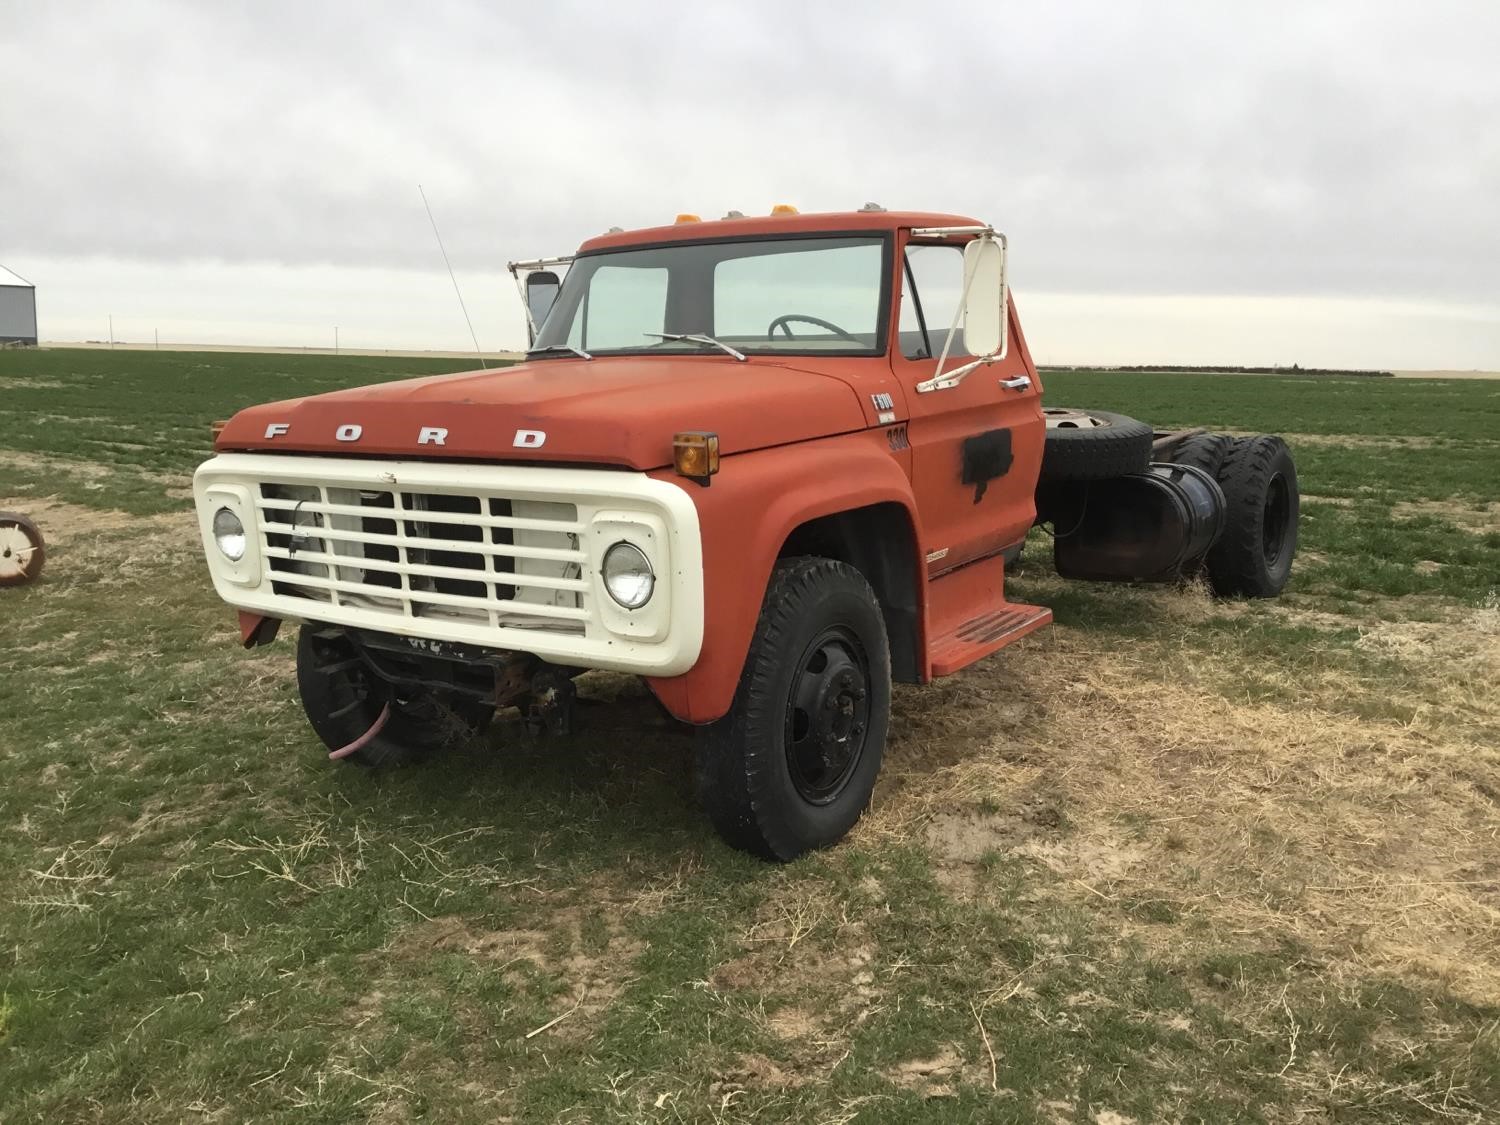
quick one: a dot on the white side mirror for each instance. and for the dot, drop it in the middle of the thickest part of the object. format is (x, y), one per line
(985, 312)
(541, 291)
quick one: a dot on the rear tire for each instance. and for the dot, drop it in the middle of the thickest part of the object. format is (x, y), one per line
(1204, 451)
(343, 699)
(792, 765)
(1253, 558)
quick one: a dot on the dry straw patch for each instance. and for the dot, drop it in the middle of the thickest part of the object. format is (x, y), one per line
(1478, 518)
(1353, 441)
(64, 523)
(1371, 841)
(105, 546)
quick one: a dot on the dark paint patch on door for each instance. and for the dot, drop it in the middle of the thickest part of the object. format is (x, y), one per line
(986, 457)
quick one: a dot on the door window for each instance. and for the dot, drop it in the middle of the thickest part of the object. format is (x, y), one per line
(931, 285)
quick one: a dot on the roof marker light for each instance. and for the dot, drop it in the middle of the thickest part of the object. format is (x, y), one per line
(687, 218)
(783, 209)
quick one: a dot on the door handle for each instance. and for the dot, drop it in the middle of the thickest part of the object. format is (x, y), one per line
(1019, 383)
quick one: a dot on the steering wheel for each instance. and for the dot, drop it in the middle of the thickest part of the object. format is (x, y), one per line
(784, 323)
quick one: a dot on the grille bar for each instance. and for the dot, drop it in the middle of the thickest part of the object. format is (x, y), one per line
(390, 594)
(327, 508)
(478, 547)
(356, 562)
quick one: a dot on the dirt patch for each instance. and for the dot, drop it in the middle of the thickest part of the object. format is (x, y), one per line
(96, 537)
(1478, 518)
(752, 1071)
(1354, 441)
(938, 1076)
(971, 837)
(593, 962)
(792, 1023)
(1335, 501)
(1101, 857)
(9, 381)
(1446, 374)
(92, 473)
(805, 947)
(34, 462)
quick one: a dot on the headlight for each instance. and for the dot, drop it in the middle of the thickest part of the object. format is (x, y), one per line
(628, 575)
(229, 534)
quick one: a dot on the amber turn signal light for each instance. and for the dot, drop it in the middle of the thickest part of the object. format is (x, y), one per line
(695, 454)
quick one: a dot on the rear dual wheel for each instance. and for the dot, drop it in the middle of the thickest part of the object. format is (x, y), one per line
(1253, 557)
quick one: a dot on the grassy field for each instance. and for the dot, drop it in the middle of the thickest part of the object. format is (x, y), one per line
(1170, 860)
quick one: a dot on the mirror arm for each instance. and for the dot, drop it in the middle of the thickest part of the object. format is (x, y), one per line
(529, 266)
(958, 374)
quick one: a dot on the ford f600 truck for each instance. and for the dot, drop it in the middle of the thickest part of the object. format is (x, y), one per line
(769, 464)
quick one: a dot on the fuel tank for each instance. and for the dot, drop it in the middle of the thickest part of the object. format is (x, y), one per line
(1146, 527)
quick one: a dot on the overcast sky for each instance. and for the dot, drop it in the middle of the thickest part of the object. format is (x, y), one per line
(247, 172)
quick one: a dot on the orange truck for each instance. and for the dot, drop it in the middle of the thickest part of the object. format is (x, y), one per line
(769, 464)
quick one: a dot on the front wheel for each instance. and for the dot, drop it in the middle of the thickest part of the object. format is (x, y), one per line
(344, 698)
(793, 764)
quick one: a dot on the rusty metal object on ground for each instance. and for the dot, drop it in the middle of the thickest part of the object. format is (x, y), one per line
(22, 550)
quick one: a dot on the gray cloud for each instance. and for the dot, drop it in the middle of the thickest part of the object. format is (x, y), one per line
(1341, 148)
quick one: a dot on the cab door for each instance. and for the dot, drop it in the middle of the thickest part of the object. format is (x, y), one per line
(976, 447)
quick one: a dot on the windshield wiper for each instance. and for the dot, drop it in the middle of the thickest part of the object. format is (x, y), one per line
(560, 348)
(699, 338)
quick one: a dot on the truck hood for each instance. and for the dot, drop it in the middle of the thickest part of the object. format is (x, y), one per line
(609, 411)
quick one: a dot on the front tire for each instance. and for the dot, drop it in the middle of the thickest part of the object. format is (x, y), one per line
(792, 766)
(343, 699)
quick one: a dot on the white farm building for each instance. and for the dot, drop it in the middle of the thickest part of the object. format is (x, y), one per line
(17, 309)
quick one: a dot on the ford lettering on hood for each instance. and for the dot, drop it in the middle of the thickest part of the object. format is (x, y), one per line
(620, 413)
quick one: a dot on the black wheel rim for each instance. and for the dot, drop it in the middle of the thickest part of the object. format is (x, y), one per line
(828, 715)
(1277, 517)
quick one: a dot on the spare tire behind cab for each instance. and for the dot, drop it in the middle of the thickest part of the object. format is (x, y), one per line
(1093, 445)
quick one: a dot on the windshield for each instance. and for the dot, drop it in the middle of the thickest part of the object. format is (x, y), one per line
(798, 296)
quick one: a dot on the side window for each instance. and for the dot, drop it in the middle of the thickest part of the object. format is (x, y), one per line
(621, 305)
(938, 273)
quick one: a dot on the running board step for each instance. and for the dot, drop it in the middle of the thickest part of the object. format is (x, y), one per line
(989, 632)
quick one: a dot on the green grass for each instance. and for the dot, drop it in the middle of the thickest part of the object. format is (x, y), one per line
(1169, 859)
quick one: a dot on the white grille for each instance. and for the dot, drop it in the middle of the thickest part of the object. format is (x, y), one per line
(500, 556)
(489, 559)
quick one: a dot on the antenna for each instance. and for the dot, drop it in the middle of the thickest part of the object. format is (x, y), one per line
(453, 279)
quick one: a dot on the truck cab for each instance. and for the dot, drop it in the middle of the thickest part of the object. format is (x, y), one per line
(771, 465)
